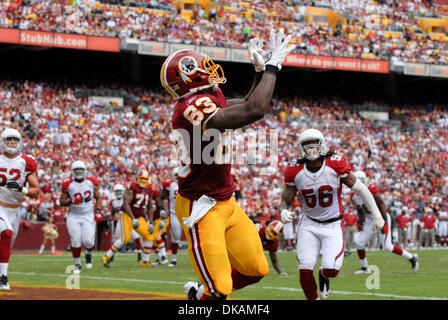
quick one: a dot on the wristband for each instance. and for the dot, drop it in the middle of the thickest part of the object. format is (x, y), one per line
(271, 69)
(25, 190)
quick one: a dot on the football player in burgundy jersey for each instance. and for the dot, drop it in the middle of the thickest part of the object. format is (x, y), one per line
(135, 215)
(16, 171)
(215, 225)
(317, 178)
(366, 233)
(269, 235)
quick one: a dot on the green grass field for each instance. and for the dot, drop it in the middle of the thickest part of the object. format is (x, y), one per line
(397, 281)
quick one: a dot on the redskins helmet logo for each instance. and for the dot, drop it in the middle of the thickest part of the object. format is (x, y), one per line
(187, 67)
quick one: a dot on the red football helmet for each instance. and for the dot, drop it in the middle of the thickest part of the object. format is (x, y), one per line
(185, 72)
(274, 230)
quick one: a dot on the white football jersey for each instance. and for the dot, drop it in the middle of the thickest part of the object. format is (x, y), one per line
(319, 192)
(83, 190)
(116, 204)
(172, 188)
(443, 214)
(16, 169)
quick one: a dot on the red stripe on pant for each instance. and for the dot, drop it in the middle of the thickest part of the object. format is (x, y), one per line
(308, 284)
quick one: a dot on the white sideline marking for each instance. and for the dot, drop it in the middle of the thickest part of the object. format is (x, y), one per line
(251, 287)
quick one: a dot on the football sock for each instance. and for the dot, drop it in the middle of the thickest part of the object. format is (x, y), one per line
(308, 284)
(330, 273)
(53, 248)
(240, 281)
(174, 247)
(4, 268)
(76, 252)
(42, 248)
(138, 244)
(364, 262)
(5, 246)
(361, 254)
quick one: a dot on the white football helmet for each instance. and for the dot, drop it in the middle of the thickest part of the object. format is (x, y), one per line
(175, 172)
(361, 176)
(7, 134)
(315, 150)
(78, 170)
(119, 191)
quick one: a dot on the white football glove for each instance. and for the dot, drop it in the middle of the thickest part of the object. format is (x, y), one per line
(161, 224)
(150, 227)
(283, 274)
(286, 216)
(278, 48)
(134, 223)
(378, 223)
(256, 54)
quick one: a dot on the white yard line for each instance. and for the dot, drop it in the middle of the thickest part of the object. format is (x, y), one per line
(251, 287)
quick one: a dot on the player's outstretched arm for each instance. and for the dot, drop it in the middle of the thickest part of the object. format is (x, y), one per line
(367, 198)
(275, 263)
(258, 103)
(256, 55)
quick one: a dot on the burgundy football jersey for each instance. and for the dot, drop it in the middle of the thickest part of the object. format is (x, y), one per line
(196, 177)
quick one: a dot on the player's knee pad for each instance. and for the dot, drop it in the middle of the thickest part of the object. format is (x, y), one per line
(330, 273)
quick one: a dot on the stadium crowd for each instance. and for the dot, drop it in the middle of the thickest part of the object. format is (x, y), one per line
(230, 24)
(407, 159)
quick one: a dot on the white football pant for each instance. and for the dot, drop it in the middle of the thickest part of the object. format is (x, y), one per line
(325, 238)
(81, 229)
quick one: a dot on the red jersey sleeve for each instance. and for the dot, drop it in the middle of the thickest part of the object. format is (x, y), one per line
(134, 187)
(94, 180)
(339, 164)
(166, 184)
(65, 185)
(291, 172)
(31, 163)
(373, 188)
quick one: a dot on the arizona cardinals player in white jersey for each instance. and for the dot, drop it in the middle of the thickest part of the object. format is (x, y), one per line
(16, 170)
(318, 178)
(78, 194)
(366, 233)
(168, 196)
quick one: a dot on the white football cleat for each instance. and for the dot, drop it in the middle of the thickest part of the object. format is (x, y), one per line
(88, 266)
(324, 285)
(191, 288)
(414, 262)
(363, 270)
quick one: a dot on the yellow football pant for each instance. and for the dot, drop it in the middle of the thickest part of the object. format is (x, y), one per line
(157, 233)
(126, 228)
(224, 238)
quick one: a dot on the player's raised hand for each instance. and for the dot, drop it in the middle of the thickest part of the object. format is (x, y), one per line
(278, 48)
(256, 54)
(286, 216)
(135, 223)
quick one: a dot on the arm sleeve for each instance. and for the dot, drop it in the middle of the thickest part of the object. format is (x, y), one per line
(366, 196)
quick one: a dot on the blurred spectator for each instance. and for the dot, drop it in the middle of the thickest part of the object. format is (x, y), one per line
(403, 223)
